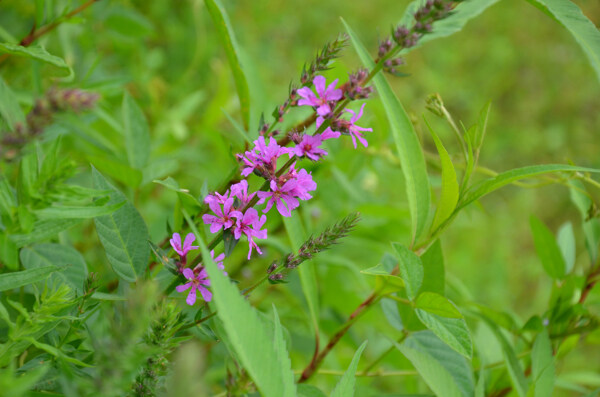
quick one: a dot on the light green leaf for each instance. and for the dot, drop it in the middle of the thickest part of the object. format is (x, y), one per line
(189, 202)
(38, 53)
(55, 352)
(41, 255)
(252, 343)
(283, 357)
(43, 230)
(386, 283)
(123, 234)
(390, 310)
(411, 270)
(107, 297)
(77, 212)
(345, 387)
(13, 280)
(450, 188)
(137, 133)
(569, 15)
(542, 367)
(591, 227)
(9, 254)
(434, 278)
(489, 185)
(547, 249)
(409, 149)
(437, 304)
(446, 372)
(305, 390)
(10, 111)
(566, 243)
(121, 172)
(229, 43)
(237, 128)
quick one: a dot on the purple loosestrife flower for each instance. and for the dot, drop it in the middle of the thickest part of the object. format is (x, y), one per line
(219, 261)
(328, 133)
(250, 224)
(222, 220)
(187, 246)
(263, 156)
(281, 196)
(354, 130)
(326, 95)
(304, 184)
(309, 147)
(240, 190)
(198, 282)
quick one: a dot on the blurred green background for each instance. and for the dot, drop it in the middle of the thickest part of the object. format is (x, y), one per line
(545, 109)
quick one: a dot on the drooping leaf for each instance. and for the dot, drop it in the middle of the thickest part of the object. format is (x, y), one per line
(345, 387)
(411, 270)
(137, 133)
(13, 280)
(547, 249)
(445, 371)
(123, 234)
(252, 343)
(229, 43)
(569, 15)
(409, 149)
(38, 53)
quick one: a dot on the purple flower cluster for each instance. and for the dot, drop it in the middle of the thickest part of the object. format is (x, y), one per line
(233, 210)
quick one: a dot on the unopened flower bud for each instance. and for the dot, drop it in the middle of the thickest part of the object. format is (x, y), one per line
(272, 267)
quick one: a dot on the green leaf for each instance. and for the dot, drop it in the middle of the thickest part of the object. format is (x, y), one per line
(56, 254)
(390, 310)
(137, 133)
(566, 244)
(386, 283)
(38, 53)
(189, 202)
(283, 356)
(547, 249)
(569, 15)
(542, 367)
(489, 185)
(591, 227)
(308, 277)
(9, 107)
(43, 230)
(123, 234)
(237, 128)
(55, 352)
(77, 212)
(13, 280)
(9, 254)
(229, 43)
(434, 278)
(122, 172)
(446, 372)
(437, 304)
(252, 343)
(409, 149)
(411, 270)
(305, 390)
(450, 188)
(345, 387)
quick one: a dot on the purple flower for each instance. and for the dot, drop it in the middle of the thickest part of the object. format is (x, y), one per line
(328, 133)
(222, 220)
(187, 244)
(219, 261)
(304, 184)
(309, 147)
(282, 197)
(250, 224)
(354, 130)
(197, 282)
(240, 190)
(263, 155)
(326, 95)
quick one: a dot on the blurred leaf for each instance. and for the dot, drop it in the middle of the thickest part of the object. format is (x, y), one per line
(437, 304)
(446, 372)
(252, 344)
(38, 53)
(43, 230)
(117, 170)
(56, 352)
(542, 367)
(229, 43)
(13, 280)
(128, 22)
(345, 387)
(189, 202)
(137, 133)
(478, 133)
(450, 188)
(547, 249)
(407, 143)
(107, 297)
(229, 242)
(283, 356)
(163, 257)
(411, 270)
(566, 244)
(9, 106)
(390, 310)
(434, 279)
(237, 128)
(591, 227)
(123, 234)
(77, 212)
(385, 282)
(569, 15)
(305, 390)
(9, 254)
(56, 254)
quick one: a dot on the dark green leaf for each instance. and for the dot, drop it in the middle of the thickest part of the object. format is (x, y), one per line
(434, 279)
(43, 230)
(411, 270)
(14, 280)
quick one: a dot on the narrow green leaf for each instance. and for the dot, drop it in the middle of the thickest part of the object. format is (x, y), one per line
(542, 367)
(489, 185)
(566, 243)
(41, 255)
(409, 149)
(43, 230)
(305, 390)
(9, 254)
(434, 278)
(229, 43)
(569, 15)
(450, 188)
(56, 352)
(13, 280)
(77, 212)
(345, 387)
(446, 372)
(591, 227)
(547, 249)
(38, 53)
(411, 270)
(189, 202)
(123, 234)
(137, 133)
(437, 304)
(252, 343)
(10, 111)
(283, 357)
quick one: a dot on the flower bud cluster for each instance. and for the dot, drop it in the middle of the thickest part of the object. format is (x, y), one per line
(354, 88)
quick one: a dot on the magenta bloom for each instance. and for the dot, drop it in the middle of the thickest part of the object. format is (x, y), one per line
(198, 282)
(354, 130)
(282, 197)
(326, 95)
(304, 184)
(250, 224)
(187, 246)
(309, 147)
(328, 133)
(222, 218)
(263, 155)
(219, 261)
(240, 190)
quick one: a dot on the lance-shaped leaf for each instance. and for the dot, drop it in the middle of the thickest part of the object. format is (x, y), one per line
(13, 280)
(345, 387)
(411, 270)
(77, 212)
(38, 53)
(137, 133)
(547, 249)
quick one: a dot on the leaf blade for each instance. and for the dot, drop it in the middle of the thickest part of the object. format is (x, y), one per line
(13, 280)
(345, 387)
